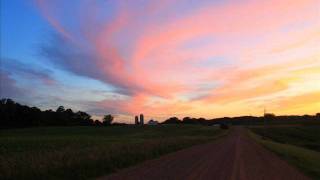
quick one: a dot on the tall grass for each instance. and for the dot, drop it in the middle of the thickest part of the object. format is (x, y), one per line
(307, 160)
(303, 136)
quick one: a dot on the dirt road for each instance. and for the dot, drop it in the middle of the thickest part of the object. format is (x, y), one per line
(233, 157)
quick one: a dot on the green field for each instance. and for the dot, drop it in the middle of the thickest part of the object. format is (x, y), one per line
(87, 152)
(303, 136)
(300, 146)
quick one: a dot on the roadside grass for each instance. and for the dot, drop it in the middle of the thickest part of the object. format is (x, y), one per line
(303, 136)
(307, 160)
(88, 152)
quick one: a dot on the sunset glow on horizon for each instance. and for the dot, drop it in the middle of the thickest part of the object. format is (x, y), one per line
(163, 58)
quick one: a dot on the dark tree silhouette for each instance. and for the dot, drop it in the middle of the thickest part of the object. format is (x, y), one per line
(172, 120)
(83, 118)
(187, 120)
(98, 123)
(14, 115)
(107, 120)
(269, 116)
(60, 109)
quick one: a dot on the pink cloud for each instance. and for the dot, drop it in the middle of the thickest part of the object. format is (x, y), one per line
(134, 48)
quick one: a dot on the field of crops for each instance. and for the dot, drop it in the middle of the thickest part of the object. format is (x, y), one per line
(303, 136)
(85, 152)
(300, 145)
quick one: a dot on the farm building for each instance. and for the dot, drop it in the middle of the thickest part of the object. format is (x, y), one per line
(153, 122)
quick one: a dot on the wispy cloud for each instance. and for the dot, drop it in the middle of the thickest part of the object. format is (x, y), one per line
(9, 87)
(161, 54)
(17, 68)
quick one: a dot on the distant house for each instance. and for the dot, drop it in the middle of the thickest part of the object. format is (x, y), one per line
(153, 122)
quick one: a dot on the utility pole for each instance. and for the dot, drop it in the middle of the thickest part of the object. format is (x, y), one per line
(264, 122)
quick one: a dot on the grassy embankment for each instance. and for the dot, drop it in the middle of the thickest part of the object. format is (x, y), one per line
(86, 152)
(300, 146)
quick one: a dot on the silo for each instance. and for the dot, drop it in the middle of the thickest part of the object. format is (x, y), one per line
(136, 118)
(141, 119)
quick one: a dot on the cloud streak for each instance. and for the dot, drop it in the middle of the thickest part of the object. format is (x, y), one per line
(172, 57)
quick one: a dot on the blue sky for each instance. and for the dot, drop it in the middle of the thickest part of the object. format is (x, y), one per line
(163, 57)
(23, 30)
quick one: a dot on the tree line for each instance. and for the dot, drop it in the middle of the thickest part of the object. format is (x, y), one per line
(249, 120)
(15, 115)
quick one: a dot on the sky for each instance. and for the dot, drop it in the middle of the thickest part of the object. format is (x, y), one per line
(162, 58)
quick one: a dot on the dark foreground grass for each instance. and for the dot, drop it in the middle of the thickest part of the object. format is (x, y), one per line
(88, 152)
(303, 136)
(297, 145)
